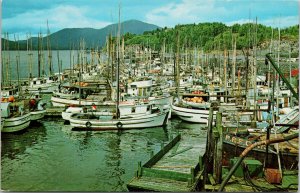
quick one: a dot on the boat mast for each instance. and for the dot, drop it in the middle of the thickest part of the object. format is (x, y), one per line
(225, 73)
(39, 55)
(18, 60)
(177, 65)
(277, 83)
(118, 66)
(255, 68)
(49, 50)
(290, 74)
(233, 66)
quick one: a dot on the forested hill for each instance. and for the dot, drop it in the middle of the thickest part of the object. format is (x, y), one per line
(209, 36)
(212, 36)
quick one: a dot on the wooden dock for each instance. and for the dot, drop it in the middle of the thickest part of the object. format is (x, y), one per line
(177, 167)
(54, 111)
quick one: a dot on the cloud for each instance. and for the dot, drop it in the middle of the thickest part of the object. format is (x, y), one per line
(187, 11)
(281, 22)
(62, 16)
(226, 11)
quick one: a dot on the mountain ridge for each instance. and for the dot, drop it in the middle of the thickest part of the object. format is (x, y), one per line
(68, 38)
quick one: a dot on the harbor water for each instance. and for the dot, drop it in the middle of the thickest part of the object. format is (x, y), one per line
(49, 156)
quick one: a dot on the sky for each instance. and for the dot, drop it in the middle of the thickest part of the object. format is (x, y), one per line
(23, 17)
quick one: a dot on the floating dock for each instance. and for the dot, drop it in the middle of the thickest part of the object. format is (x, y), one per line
(54, 111)
(177, 167)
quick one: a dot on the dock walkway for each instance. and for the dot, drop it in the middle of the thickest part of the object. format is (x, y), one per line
(176, 167)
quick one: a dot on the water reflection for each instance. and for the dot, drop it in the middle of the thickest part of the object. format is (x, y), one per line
(113, 161)
(188, 125)
(13, 144)
(80, 160)
(84, 143)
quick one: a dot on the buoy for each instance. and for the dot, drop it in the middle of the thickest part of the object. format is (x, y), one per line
(32, 103)
(11, 99)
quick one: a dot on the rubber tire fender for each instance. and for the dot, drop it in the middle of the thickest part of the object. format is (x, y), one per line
(88, 124)
(119, 125)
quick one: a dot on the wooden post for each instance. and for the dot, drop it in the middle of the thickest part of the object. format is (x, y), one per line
(139, 172)
(218, 147)
(208, 145)
(200, 162)
(193, 174)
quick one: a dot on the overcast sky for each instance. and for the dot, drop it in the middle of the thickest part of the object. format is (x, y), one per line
(21, 17)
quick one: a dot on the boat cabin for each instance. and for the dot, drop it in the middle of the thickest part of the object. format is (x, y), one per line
(9, 91)
(5, 110)
(37, 81)
(134, 109)
(140, 88)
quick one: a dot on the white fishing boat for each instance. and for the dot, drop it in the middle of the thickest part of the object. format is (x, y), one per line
(41, 85)
(90, 93)
(15, 119)
(190, 114)
(193, 107)
(131, 116)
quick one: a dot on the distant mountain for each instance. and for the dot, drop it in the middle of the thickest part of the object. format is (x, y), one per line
(93, 38)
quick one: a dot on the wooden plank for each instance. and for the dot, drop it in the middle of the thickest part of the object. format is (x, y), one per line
(181, 151)
(158, 184)
(162, 152)
(156, 173)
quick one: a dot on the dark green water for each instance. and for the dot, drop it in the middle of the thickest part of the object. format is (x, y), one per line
(48, 156)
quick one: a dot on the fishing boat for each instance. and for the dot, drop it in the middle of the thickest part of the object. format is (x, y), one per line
(81, 93)
(190, 114)
(15, 119)
(192, 108)
(131, 116)
(236, 142)
(42, 85)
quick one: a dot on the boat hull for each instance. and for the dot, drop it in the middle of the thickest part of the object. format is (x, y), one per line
(60, 102)
(43, 88)
(16, 123)
(36, 115)
(233, 146)
(145, 121)
(191, 115)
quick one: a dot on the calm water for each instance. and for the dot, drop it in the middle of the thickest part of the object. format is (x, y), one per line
(48, 156)
(67, 58)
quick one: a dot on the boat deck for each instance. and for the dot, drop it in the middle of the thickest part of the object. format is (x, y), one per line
(176, 167)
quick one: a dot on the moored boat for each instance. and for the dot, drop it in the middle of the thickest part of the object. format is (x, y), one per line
(191, 115)
(15, 118)
(131, 116)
